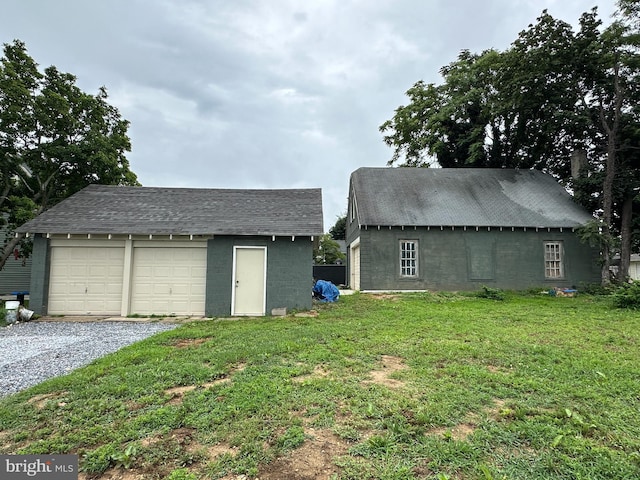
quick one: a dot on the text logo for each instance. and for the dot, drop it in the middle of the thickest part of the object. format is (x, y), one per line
(39, 467)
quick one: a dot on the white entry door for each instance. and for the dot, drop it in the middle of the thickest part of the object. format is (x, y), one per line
(249, 280)
(354, 266)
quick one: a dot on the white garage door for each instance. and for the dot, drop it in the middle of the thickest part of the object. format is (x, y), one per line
(86, 280)
(169, 280)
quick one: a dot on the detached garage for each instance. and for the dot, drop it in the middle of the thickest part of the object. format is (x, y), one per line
(173, 251)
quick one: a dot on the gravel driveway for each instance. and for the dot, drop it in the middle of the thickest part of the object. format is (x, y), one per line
(32, 352)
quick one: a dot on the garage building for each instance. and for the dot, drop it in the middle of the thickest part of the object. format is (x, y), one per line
(112, 250)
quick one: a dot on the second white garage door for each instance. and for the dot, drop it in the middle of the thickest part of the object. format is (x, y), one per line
(169, 280)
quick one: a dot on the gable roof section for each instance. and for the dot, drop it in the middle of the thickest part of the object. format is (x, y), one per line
(101, 209)
(475, 197)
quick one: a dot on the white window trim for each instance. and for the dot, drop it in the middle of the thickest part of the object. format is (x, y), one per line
(554, 267)
(404, 267)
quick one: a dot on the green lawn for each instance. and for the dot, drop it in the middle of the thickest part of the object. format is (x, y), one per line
(375, 387)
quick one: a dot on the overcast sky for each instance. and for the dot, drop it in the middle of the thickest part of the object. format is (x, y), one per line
(264, 94)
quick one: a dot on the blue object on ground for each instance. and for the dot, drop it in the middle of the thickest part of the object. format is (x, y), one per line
(326, 291)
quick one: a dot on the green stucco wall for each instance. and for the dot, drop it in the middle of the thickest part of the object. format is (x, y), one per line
(461, 259)
(289, 273)
(39, 289)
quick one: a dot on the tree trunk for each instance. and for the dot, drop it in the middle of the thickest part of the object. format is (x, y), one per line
(607, 208)
(9, 247)
(625, 238)
(610, 174)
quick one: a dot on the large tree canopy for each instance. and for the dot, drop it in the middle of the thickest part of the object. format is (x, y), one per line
(552, 93)
(55, 139)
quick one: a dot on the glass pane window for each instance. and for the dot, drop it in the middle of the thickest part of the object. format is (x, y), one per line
(553, 260)
(408, 258)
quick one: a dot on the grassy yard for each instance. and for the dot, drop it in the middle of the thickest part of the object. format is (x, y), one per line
(374, 387)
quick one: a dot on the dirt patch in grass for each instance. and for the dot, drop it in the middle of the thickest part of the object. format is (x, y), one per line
(385, 296)
(177, 393)
(470, 422)
(189, 342)
(181, 436)
(319, 371)
(313, 460)
(390, 365)
(496, 369)
(40, 401)
(221, 449)
(459, 433)
(114, 474)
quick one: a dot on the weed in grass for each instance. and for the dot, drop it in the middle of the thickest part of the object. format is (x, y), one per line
(124, 458)
(98, 460)
(182, 474)
(292, 438)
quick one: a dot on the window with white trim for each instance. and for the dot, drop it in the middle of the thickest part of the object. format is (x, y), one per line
(408, 258)
(553, 260)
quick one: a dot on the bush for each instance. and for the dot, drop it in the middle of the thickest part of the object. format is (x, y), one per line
(596, 289)
(627, 296)
(491, 293)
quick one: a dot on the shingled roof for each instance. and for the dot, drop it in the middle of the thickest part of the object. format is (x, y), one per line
(99, 209)
(477, 197)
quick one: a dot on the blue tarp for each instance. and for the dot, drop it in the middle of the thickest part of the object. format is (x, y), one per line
(326, 291)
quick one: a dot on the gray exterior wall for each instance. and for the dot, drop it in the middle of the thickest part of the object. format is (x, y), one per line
(39, 286)
(466, 260)
(16, 274)
(289, 273)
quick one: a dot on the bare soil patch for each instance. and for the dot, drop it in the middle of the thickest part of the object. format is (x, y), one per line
(385, 296)
(319, 371)
(459, 433)
(177, 393)
(313, 460)
(189, 342)
(40, 401)
(390, 365)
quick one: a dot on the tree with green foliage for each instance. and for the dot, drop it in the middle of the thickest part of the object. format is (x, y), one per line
(55, 139)
(553, 92)
(328, 251)
(339, 230)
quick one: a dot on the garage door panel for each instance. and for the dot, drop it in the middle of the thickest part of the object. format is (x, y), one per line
(74, 271)
(160, 289)
(114, 289)
(163, 280)
(86, 280)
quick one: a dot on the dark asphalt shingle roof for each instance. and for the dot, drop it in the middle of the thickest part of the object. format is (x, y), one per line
(477, 197)
(183, 211)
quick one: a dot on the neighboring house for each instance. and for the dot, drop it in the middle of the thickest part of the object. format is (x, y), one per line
(464, 228)
(634, 266)
(111, 250)
(16, 273)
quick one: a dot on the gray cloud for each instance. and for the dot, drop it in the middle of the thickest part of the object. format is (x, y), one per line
(251, 94)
